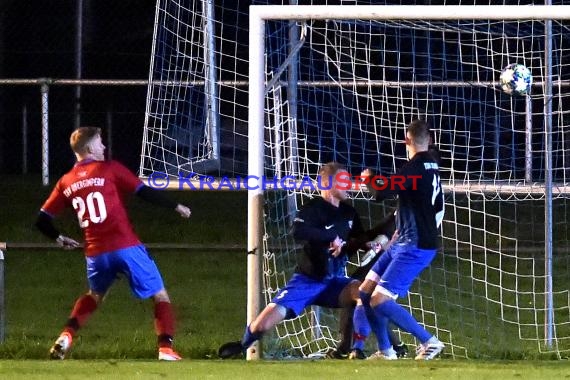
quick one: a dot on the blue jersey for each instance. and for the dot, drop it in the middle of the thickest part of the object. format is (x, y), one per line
(420, 202)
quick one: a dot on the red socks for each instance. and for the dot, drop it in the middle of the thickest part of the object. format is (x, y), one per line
(84, 307)
(163, 319)
(164, 323)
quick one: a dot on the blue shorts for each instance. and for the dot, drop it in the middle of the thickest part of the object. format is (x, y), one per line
(302, 291)
(397, 268)
(134, 262)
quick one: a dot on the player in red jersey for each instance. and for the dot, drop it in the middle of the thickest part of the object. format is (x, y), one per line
(95, 188)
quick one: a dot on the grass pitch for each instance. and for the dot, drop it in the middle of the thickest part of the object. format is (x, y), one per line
(208, 289)
(201, 369)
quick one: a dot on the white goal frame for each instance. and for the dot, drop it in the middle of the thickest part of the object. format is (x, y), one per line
(259, 14)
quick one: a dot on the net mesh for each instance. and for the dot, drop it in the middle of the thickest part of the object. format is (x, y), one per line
(347, 95)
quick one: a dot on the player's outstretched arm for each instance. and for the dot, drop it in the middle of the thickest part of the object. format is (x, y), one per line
(157, 198)
(373, 242)
(360, 239)
(46, 227)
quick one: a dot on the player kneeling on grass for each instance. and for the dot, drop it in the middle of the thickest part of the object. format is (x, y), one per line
(95, 188)
(326, 225)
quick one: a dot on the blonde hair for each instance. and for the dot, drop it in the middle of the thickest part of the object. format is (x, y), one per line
(328, 171)
(81, 138)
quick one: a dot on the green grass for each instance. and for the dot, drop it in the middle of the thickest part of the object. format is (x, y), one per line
(123, 369)
(208, 289)
(41, 285)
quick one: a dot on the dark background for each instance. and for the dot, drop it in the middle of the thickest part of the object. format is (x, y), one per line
(37, 40)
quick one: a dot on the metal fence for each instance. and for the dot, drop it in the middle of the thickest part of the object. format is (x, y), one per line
(40, 124)
(74, 39)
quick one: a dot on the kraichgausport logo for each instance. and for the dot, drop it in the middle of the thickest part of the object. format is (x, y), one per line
(193, 181)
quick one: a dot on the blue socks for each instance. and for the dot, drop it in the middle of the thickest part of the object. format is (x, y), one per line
(401, 318)
(365, 298)
(378, 322)
(249, 337)
(361, 327)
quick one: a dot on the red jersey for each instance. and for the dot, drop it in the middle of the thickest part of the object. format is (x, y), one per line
(96, 190)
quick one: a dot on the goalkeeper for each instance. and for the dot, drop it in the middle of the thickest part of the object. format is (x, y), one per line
(327, 226)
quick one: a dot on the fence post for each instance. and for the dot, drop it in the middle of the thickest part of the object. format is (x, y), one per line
(45, 133)
(2, 303)
(25, 139)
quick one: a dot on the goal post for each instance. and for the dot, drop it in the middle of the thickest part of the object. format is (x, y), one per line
(2, 294)
(257, 116)
(261, 13)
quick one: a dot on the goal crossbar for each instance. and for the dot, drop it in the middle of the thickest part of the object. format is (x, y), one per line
(408, 12)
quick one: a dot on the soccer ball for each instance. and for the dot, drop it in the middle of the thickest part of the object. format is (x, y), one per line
(516, 79)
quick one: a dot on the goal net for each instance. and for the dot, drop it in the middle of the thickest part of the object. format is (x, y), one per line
(328, 87)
